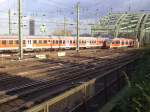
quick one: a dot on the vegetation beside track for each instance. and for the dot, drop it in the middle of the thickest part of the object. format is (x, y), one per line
(137, 98)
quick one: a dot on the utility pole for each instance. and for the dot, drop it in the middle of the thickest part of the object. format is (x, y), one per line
(78, 33)
(129, 8)
(110, 11)
(20, 29)
(9, 23)
(65, 25)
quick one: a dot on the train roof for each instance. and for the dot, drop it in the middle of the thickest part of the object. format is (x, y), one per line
(122, 39)
(45, 37)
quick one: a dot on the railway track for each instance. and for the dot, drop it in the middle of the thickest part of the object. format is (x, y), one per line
(56, 81)
(41, 73)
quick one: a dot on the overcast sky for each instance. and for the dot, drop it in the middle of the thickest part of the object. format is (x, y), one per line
(91, 10)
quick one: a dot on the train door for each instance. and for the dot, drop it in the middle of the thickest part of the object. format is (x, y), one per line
(67, 44)
(29, 44)
(87, 43)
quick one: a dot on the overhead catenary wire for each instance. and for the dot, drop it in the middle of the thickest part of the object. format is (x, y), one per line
(60, 10)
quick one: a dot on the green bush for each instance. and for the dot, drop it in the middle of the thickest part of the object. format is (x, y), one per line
(138, 97)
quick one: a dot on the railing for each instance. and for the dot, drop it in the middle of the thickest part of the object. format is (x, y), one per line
(105, 85)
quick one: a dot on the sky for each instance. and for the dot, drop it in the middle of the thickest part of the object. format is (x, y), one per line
(48, 11)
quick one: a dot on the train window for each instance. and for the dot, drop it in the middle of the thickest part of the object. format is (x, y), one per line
(126, 42)
(3, 42)
(117, 42)
(40, 41)
(53, 41)
(56, 41)
(16, 42)
(10, 42)
(60, 41)
(70, 41)
(45, 41)
(122, 42)
(130, 43)
(34, 41)
(63, 41)
(74, 42)
(24, 42)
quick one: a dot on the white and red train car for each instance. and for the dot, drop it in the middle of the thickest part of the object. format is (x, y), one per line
(122, 43)
(8, 43)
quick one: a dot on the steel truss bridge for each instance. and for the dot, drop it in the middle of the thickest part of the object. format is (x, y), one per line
(131, 25)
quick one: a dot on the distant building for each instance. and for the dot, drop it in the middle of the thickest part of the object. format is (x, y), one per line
(31, 27)
(62, 33)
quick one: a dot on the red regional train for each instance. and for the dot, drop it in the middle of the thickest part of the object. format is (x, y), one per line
(10, 43)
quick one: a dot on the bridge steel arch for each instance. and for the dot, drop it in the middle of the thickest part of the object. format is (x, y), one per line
(133, 25)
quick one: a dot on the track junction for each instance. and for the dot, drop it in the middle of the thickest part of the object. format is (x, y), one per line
(25, 84)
